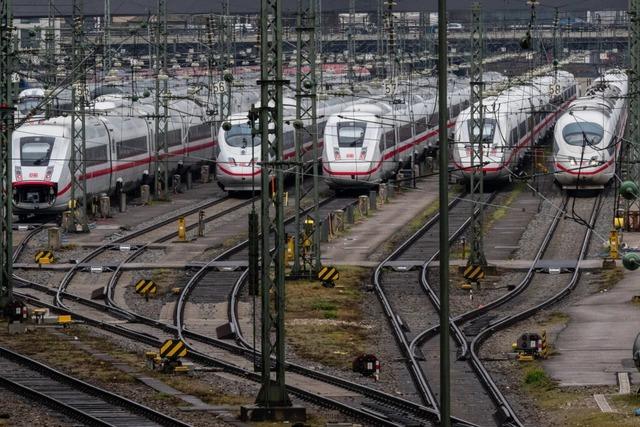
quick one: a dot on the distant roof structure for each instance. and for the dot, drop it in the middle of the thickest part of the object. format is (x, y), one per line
(39, 8)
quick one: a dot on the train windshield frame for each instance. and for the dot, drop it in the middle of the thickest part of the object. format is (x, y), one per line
(239, 136)
(578, 133)
(488, 131)
(351, 134)
(36, 150)
(26, 104)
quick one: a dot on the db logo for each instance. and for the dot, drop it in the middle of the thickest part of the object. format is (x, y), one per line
(33, 174)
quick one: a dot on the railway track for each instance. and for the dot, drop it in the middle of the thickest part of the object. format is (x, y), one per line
(152, 332)
(396, 283)
(75, 398)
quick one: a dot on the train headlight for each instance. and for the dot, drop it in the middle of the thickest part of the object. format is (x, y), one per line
(594, 161)
(363, 153)
(18, 170)
(232, 161)
(336, 153)
(48, 174)
(573, 162)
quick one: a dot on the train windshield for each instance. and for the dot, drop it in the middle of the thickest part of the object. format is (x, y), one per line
(488, 130)
(584, 133)
(35, 150)
(351, 134)
(25, 105)
(240, 136)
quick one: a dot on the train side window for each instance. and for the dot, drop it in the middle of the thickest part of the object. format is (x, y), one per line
(421, 125)
(201, 131)
(96, 155)
(433, 120)
(513, 139)
(405, 132)
(381, 144)
(174, 137)
(132, 147)
(390, 139)
(289, 141)
(522, 129)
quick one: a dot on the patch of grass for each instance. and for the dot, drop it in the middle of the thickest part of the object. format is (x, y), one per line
(328, 318)
(501, 212)
(607, 278)
(556, 317)
(537, 377)
(205, 392)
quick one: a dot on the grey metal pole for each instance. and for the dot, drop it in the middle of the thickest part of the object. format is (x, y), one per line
(445, 400)
(6, 126)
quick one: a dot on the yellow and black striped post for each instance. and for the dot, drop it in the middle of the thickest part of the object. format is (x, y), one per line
(473, 273)
(146, 287)
(44, 257)
(544, 350)
(173, 349)
(328, 276)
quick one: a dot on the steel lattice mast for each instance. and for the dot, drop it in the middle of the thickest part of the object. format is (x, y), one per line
(49, 54)
(161, 104)
(6, 127)
(351, 48)
(227, 29)
(273, 392)
(107, 53)
(306, 112)
(77, 164)
(476, 256)
(633, 127)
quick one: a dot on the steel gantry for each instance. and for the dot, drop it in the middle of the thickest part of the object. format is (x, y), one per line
(476, 184)
(161, 104)
(78, 222)
(306, 257)
(6, 127)
(632, 149)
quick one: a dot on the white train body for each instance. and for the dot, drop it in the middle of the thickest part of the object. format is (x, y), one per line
(511, 118)
(238, 153)
(120, 149)
(367, 143)
(587, 137)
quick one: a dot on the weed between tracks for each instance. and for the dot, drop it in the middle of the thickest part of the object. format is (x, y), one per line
(329, 319)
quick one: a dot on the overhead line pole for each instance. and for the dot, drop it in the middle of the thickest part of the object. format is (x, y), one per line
(6, 127)
(476, 255)
(161, 107)
(445, 398)
(273, 399)
(77, 165)
(107, 37)
(306, 112)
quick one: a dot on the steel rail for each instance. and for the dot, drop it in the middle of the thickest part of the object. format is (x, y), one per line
(510, 320)
(87, 388)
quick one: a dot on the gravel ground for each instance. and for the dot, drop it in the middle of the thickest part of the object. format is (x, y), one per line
(17, 411)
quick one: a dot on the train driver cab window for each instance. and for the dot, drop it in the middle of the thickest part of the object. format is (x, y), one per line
(582, 133)
(351, 134)
(488, 131)
(240, 136)
(35, 150)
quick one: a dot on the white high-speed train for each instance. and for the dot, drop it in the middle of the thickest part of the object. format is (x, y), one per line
(368, 143)
(119, 150)
(237, 167)
(587, 136)
(511, 118)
